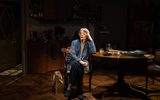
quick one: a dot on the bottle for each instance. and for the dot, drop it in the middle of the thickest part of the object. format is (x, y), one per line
(108, 46)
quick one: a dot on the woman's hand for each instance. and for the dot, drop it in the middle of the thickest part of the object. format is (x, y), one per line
(89, 36)
(88, 33)
(85, 64)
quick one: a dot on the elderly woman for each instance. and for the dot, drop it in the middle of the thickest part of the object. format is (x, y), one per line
(80, 50)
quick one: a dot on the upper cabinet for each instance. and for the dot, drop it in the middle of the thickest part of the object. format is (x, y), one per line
(43, 9)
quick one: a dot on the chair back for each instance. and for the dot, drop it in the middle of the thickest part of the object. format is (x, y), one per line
(157, 56)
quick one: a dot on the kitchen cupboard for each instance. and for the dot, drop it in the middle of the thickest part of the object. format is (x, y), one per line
(45, 57)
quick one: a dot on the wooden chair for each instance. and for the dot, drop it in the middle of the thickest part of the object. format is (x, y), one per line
(66, 76)
(154, 68)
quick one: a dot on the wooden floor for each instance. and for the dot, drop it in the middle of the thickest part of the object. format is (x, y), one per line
(38, 86)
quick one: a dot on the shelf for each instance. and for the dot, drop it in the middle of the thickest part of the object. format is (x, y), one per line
(42, 9)
(86, 12)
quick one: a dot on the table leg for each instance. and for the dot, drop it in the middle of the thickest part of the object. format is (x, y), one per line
(121, 88)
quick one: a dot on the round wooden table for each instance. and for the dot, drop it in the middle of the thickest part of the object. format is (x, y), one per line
(121, 62)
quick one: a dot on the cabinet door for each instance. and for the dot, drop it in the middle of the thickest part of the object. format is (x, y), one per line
(55, 56)
(37, 58)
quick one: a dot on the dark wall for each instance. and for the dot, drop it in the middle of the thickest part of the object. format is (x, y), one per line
(113, 18)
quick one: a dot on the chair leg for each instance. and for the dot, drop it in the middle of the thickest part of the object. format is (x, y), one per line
(153, 77)
(66, 81)
(147, 80)
(56, 85)
(90, 80)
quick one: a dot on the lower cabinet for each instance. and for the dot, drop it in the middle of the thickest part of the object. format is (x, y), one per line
(45, 57)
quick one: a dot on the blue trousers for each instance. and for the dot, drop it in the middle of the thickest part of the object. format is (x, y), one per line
(76, 76)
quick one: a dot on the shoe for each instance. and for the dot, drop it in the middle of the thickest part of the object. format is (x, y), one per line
(80, 97)
(67, 93)
(69, 98)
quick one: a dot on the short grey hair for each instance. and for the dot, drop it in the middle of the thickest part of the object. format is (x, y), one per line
(84, 30)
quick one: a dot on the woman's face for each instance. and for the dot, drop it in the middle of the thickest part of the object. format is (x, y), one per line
(83, 35)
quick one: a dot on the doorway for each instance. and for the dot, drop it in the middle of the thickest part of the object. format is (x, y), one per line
(10, 35)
